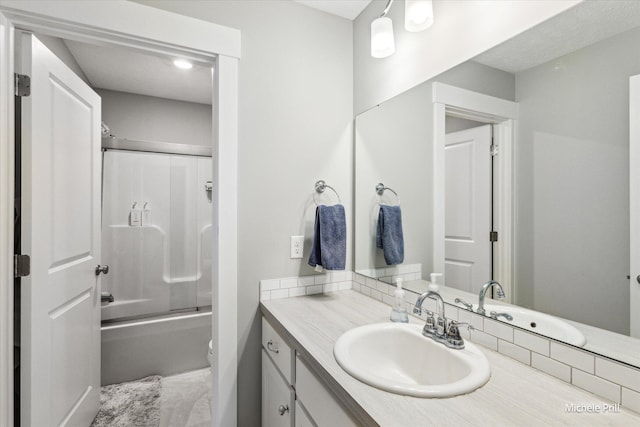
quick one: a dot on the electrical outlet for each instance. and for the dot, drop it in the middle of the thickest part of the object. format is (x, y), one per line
(297, 244)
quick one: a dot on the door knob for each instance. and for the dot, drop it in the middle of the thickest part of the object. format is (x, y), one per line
(104, 269)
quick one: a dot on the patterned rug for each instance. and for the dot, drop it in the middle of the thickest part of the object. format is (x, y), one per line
(130, 404)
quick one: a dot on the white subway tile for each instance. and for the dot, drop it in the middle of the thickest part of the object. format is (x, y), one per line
(388, 299)
(343, 286)
(595, 385)
(338, 276)
(321, 279)
(618, 373)
(384, 288)
(330, 287)
(265, 296)
(370, 282)
(280, 293)
(365, 290)
(289, 282)
(630, 399)
(576, 358)
(483, 339)
(376, 294)
(349, 275)
(473, 319)
(297, 292)
(551, 367)
(359, 278)
(532, 342)
(520, 354)
(315, 289)
(356, 286)
(306, 281)
(498, 329)
(269, 285)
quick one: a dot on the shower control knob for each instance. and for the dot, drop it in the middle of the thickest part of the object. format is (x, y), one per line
(104, 269)
(282, 409)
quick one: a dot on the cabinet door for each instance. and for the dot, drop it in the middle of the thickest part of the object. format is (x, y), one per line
(277, 396)
(302, 418)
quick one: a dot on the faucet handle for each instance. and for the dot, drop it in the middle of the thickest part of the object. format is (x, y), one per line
(494, 315)
(454, 340)
(466, 304)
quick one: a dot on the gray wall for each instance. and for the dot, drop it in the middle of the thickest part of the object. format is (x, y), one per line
(394, 145)
(295, 127)
(148, 118)
(573, 184)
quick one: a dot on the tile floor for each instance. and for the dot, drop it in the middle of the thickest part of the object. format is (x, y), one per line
(185, 400)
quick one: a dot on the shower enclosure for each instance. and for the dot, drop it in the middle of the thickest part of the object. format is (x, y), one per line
(156, 231)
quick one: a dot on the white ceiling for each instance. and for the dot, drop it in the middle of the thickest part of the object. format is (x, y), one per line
(580, 26)
(130, 71)
(349, 9)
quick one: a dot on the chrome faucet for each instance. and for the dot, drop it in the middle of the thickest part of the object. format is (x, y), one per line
(483, 292)
(440, 330)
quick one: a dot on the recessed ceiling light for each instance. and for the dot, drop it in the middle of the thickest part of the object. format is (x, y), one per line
(181, 63)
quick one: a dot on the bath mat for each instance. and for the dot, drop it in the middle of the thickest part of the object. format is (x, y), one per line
(134, 403)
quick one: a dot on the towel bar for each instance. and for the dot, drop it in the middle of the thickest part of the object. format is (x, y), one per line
(380, 188)
(320, 187)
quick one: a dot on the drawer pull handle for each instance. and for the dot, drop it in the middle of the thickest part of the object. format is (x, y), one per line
(272, 347)
(282, 409)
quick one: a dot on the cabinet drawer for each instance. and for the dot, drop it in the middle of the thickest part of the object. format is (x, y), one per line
(323, 408)
(278, 349)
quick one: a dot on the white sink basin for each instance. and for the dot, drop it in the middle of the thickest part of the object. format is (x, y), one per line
(396, 357)
(540, 323)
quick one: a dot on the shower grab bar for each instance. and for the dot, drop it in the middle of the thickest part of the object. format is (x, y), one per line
(320, 187)
(380, 189)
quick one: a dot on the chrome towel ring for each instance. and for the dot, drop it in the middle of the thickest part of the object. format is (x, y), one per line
(320, 187)
(380, 189)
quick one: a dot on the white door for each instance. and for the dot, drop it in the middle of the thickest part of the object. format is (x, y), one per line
(468, 208)
(634, 203)
(60, 351)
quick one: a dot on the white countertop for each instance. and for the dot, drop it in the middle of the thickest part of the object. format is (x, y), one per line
(515, 395)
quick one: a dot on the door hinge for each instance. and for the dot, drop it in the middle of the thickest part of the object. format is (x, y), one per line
(494, 150)
(22, 85)
(21, 266)
(493, 236)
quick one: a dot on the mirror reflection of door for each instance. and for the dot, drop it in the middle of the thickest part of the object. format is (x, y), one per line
(468, 204)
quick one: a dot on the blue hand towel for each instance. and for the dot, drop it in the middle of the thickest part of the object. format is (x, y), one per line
(329, 248)
(389, 236)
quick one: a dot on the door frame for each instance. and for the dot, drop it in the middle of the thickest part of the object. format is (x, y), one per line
(503, 114)
(634, 205)
(145, 29)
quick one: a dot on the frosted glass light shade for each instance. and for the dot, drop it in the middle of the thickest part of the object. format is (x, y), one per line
(418, 15)
(382, 42)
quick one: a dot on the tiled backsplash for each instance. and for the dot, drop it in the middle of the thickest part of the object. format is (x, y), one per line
(390, 274)
(609, 379)
(330, 281)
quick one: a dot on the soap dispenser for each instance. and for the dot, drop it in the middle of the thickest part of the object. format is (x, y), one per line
(398, 311)
(433, 286)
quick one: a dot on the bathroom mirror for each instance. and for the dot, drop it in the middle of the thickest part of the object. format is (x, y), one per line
(569, 77)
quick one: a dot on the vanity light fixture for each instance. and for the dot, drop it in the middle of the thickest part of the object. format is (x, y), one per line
(183, 64)
(418, 15)
(382, 42)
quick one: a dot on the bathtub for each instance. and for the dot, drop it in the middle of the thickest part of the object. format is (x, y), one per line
(162, 345)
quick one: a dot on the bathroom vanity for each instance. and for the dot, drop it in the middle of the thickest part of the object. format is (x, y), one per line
(303, 381)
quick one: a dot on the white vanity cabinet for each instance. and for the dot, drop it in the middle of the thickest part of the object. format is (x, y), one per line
(292, 395)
